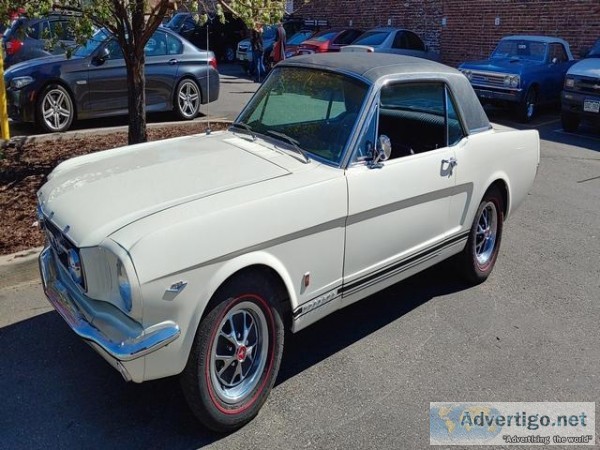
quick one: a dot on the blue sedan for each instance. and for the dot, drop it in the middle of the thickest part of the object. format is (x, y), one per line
(54, 91)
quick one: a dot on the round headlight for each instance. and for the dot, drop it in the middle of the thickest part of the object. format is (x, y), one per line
(468, 74)
(514, 81)
(74, 266)
(124, 285)
(569, 82)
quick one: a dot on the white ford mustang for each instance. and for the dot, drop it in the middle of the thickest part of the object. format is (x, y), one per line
(344, 174)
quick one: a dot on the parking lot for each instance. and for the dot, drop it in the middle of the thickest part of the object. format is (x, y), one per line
(364, 376)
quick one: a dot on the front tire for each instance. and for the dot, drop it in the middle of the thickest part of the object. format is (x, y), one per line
(187, 99)
(55, 109)
(569, 121)
(528, 107)
(479, 255)
(236, 354)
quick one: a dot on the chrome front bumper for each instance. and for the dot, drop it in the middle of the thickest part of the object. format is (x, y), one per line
(98, 322)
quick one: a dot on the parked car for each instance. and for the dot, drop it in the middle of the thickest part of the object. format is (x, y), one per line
(292, 44)
(244, 49)
(222, 37)
(523, 71)
(291, 25)
(27, 38)
(54, 91)
(191, 256)
(331, 40)
(392, 40)
(581, 93)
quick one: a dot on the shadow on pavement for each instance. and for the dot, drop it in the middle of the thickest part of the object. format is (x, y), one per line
(547, 122)
(57, 392)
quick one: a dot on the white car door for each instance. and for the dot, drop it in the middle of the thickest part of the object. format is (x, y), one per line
(399, 213)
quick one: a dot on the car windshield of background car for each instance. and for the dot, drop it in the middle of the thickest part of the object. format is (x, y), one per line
(316, 108)
(371, 38)
(595, 51)
(92, 44)
(520, 49)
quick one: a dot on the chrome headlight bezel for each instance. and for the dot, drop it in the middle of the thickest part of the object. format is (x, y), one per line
(569, 82)
(18, 83)
(512, 81)
(467, 73)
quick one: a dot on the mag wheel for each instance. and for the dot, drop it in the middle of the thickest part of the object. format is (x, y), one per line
(236, 355)
(55, 109)
(187, 99)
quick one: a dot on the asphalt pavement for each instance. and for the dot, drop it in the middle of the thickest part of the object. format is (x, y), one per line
(364, 376)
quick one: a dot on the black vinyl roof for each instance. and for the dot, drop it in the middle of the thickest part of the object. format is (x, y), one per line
(373, 67)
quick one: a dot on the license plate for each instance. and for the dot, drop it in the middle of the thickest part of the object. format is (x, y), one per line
(592, 106)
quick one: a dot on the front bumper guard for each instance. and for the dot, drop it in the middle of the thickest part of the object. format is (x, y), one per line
(99, 322)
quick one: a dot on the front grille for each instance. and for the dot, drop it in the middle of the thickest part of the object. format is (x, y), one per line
(488, 79)
(587, 85)
(61, 246)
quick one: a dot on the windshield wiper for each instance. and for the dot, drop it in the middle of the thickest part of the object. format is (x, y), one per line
(292, 141)
(246, 127)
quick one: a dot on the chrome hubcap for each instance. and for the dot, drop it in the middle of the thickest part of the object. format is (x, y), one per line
(188, 99)
(485, 236)
(239, 352)
(56, 109)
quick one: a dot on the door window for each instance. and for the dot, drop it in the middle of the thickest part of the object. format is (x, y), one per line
(417, 117)
(156, 45)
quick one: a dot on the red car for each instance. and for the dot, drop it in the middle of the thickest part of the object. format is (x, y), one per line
(329, 40)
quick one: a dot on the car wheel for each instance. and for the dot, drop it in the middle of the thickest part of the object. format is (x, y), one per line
(479, 255)
(569, 121)
(55, 110)
(236, 354)
(187, 99)
(528, 107)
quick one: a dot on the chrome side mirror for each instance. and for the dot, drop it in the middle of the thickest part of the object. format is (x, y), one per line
(382, 150)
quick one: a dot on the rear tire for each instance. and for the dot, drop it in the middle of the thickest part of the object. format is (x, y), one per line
(236, 354)
(569, 121)
(187, 99)
(479, 255)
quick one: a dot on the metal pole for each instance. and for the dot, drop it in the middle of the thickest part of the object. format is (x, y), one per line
(208, 130)
(3, 103)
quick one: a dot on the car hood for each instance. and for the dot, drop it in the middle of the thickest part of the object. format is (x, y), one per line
(589, 67)
(502, 65)
(32, 64)
(97, 194)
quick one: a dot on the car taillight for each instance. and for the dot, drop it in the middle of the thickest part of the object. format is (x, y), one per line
(213, 63)
(13, 46)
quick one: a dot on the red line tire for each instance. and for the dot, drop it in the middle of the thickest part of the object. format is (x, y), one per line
(479, 255)
(236, 353)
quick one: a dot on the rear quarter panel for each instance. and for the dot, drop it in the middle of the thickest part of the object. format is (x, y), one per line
(511, 156)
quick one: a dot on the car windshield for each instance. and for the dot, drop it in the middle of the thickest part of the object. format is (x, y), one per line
(371, 38)
(92, 44)
(299, 38)
(315, 108)
(520, 49)
(595, 51)
(325, 36)
(176, 21)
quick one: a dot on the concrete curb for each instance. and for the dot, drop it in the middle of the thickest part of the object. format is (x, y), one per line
(20, 267)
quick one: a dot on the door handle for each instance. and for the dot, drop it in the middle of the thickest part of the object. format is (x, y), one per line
(452, 162)
(173, 61)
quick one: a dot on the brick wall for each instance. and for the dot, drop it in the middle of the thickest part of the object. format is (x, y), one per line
(470, 31)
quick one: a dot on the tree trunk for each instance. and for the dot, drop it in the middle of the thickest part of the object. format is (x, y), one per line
(136, 84)
(136, 80)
